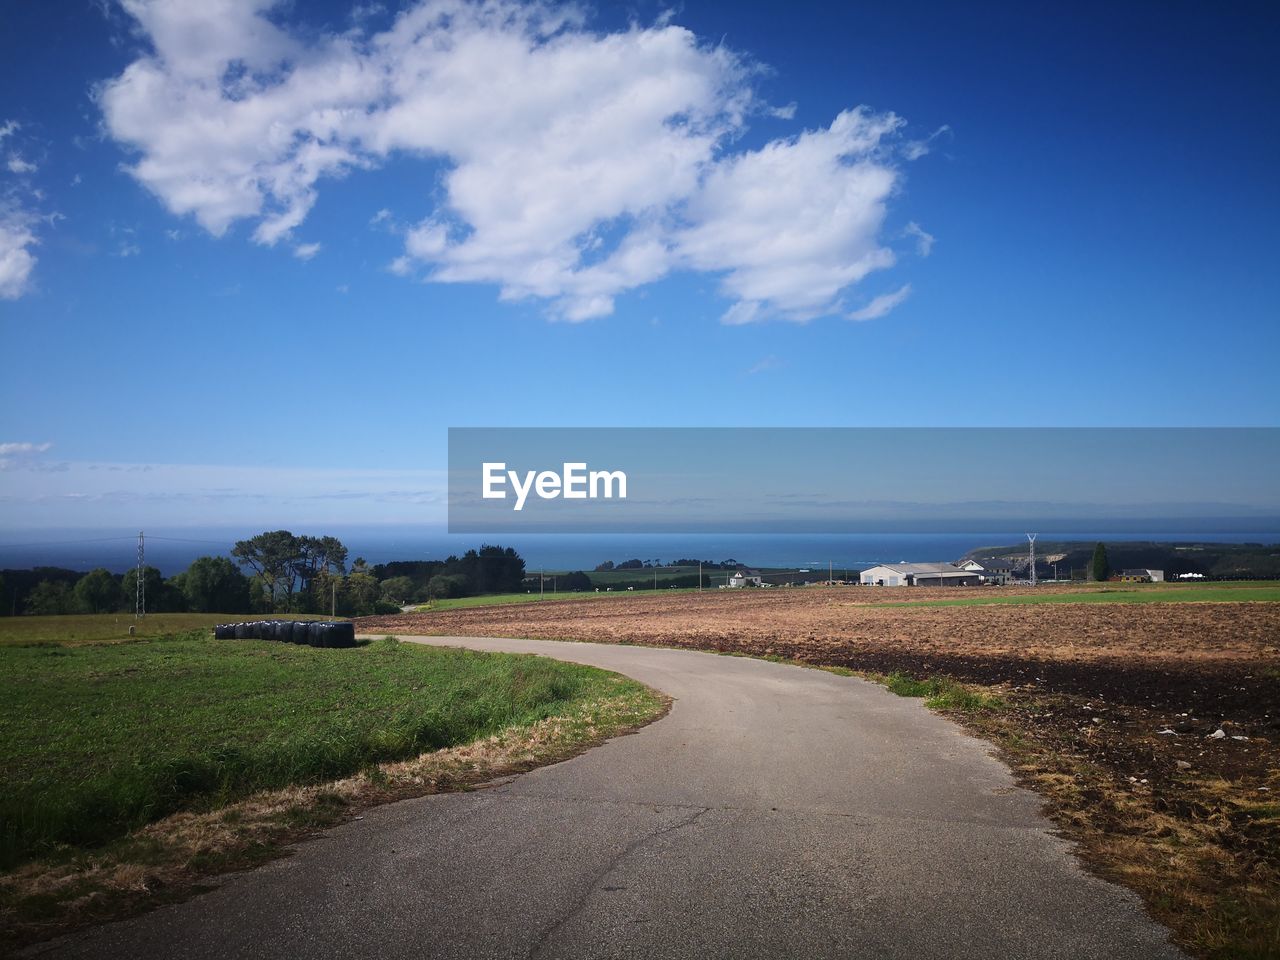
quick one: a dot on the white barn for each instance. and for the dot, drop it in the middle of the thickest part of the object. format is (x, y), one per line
(918, 575)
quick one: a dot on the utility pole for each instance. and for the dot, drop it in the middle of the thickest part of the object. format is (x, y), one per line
(699, 576)
(333, 600)
(656, 561)
(542, 584)
(1031, 539)
(140, 601)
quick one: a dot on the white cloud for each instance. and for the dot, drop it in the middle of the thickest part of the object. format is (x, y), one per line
(16, 259)
(23, 448)
(8, 128)
(795, 222)
(73, 493)
(882, 304)
(924, 239)
(915, 149)
(768, 363)
(305, 251)
(20, 166)
(569, 165)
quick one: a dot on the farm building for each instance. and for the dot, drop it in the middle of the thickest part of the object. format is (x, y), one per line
(919, 575)
(991, 570)
(1142, 576)
(744, 578)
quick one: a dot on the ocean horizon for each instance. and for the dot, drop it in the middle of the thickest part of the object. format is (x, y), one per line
(172, 550)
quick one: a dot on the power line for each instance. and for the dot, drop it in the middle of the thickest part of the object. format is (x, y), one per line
(59, 543)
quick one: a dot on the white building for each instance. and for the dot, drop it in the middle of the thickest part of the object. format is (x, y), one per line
(919, 575)
(991, 570)
(744, 578)
(1143, 575)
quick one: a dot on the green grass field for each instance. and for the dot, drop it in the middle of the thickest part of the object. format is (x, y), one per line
(98, 739)
(1248, 591)
(97, 627)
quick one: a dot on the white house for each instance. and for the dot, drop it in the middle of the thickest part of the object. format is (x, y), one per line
(991, 570)
(919, 575)
(744, 578)
(1143, 575)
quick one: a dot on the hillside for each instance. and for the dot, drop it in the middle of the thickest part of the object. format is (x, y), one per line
(1216, 560)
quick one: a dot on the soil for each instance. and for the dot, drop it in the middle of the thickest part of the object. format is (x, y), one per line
(1111, 710)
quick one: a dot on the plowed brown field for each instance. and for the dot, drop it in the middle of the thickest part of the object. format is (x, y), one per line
(1111, 710)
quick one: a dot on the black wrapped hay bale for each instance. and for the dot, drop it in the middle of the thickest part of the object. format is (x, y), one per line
(314, 633)
(342, 634)
(315, 638)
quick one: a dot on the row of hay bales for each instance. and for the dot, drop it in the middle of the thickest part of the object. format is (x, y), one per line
(311, 633)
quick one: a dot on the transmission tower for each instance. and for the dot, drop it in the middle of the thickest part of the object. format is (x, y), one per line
(140, 609)
(1031, 539)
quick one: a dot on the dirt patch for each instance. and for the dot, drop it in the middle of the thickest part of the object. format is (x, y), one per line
(1152, 730)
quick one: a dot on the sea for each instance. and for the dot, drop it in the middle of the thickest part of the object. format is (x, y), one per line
(171, 550)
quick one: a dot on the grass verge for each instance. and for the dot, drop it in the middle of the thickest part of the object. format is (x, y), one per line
(127, 804)
(99, 627)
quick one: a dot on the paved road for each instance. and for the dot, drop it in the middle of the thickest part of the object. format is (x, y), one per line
(776, 812)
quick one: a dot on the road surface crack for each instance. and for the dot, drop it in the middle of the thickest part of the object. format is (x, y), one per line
(595, 884)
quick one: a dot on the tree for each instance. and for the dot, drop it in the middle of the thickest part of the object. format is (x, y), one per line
(316, 554)
(98, 592)
(215, 585)
(604, 567)
(1099, 569)
(161, 597)
(397, 590)
(272, 556)
(282, 560)
(576, 581)
(328, 594)
(491, 569)
(362, 592)
(445, 586)
(50, 597)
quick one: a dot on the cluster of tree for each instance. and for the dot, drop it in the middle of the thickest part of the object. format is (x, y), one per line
(491, 569)
(274, 572)
(1215, 561)
(285, 564)
(209, 585)
(649, 564)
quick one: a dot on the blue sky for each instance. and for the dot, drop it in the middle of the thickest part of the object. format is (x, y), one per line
(1038, 218)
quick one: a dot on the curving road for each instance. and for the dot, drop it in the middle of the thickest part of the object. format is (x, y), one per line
(776, 812)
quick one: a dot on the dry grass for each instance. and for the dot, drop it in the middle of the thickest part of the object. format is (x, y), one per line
(1201, 853)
